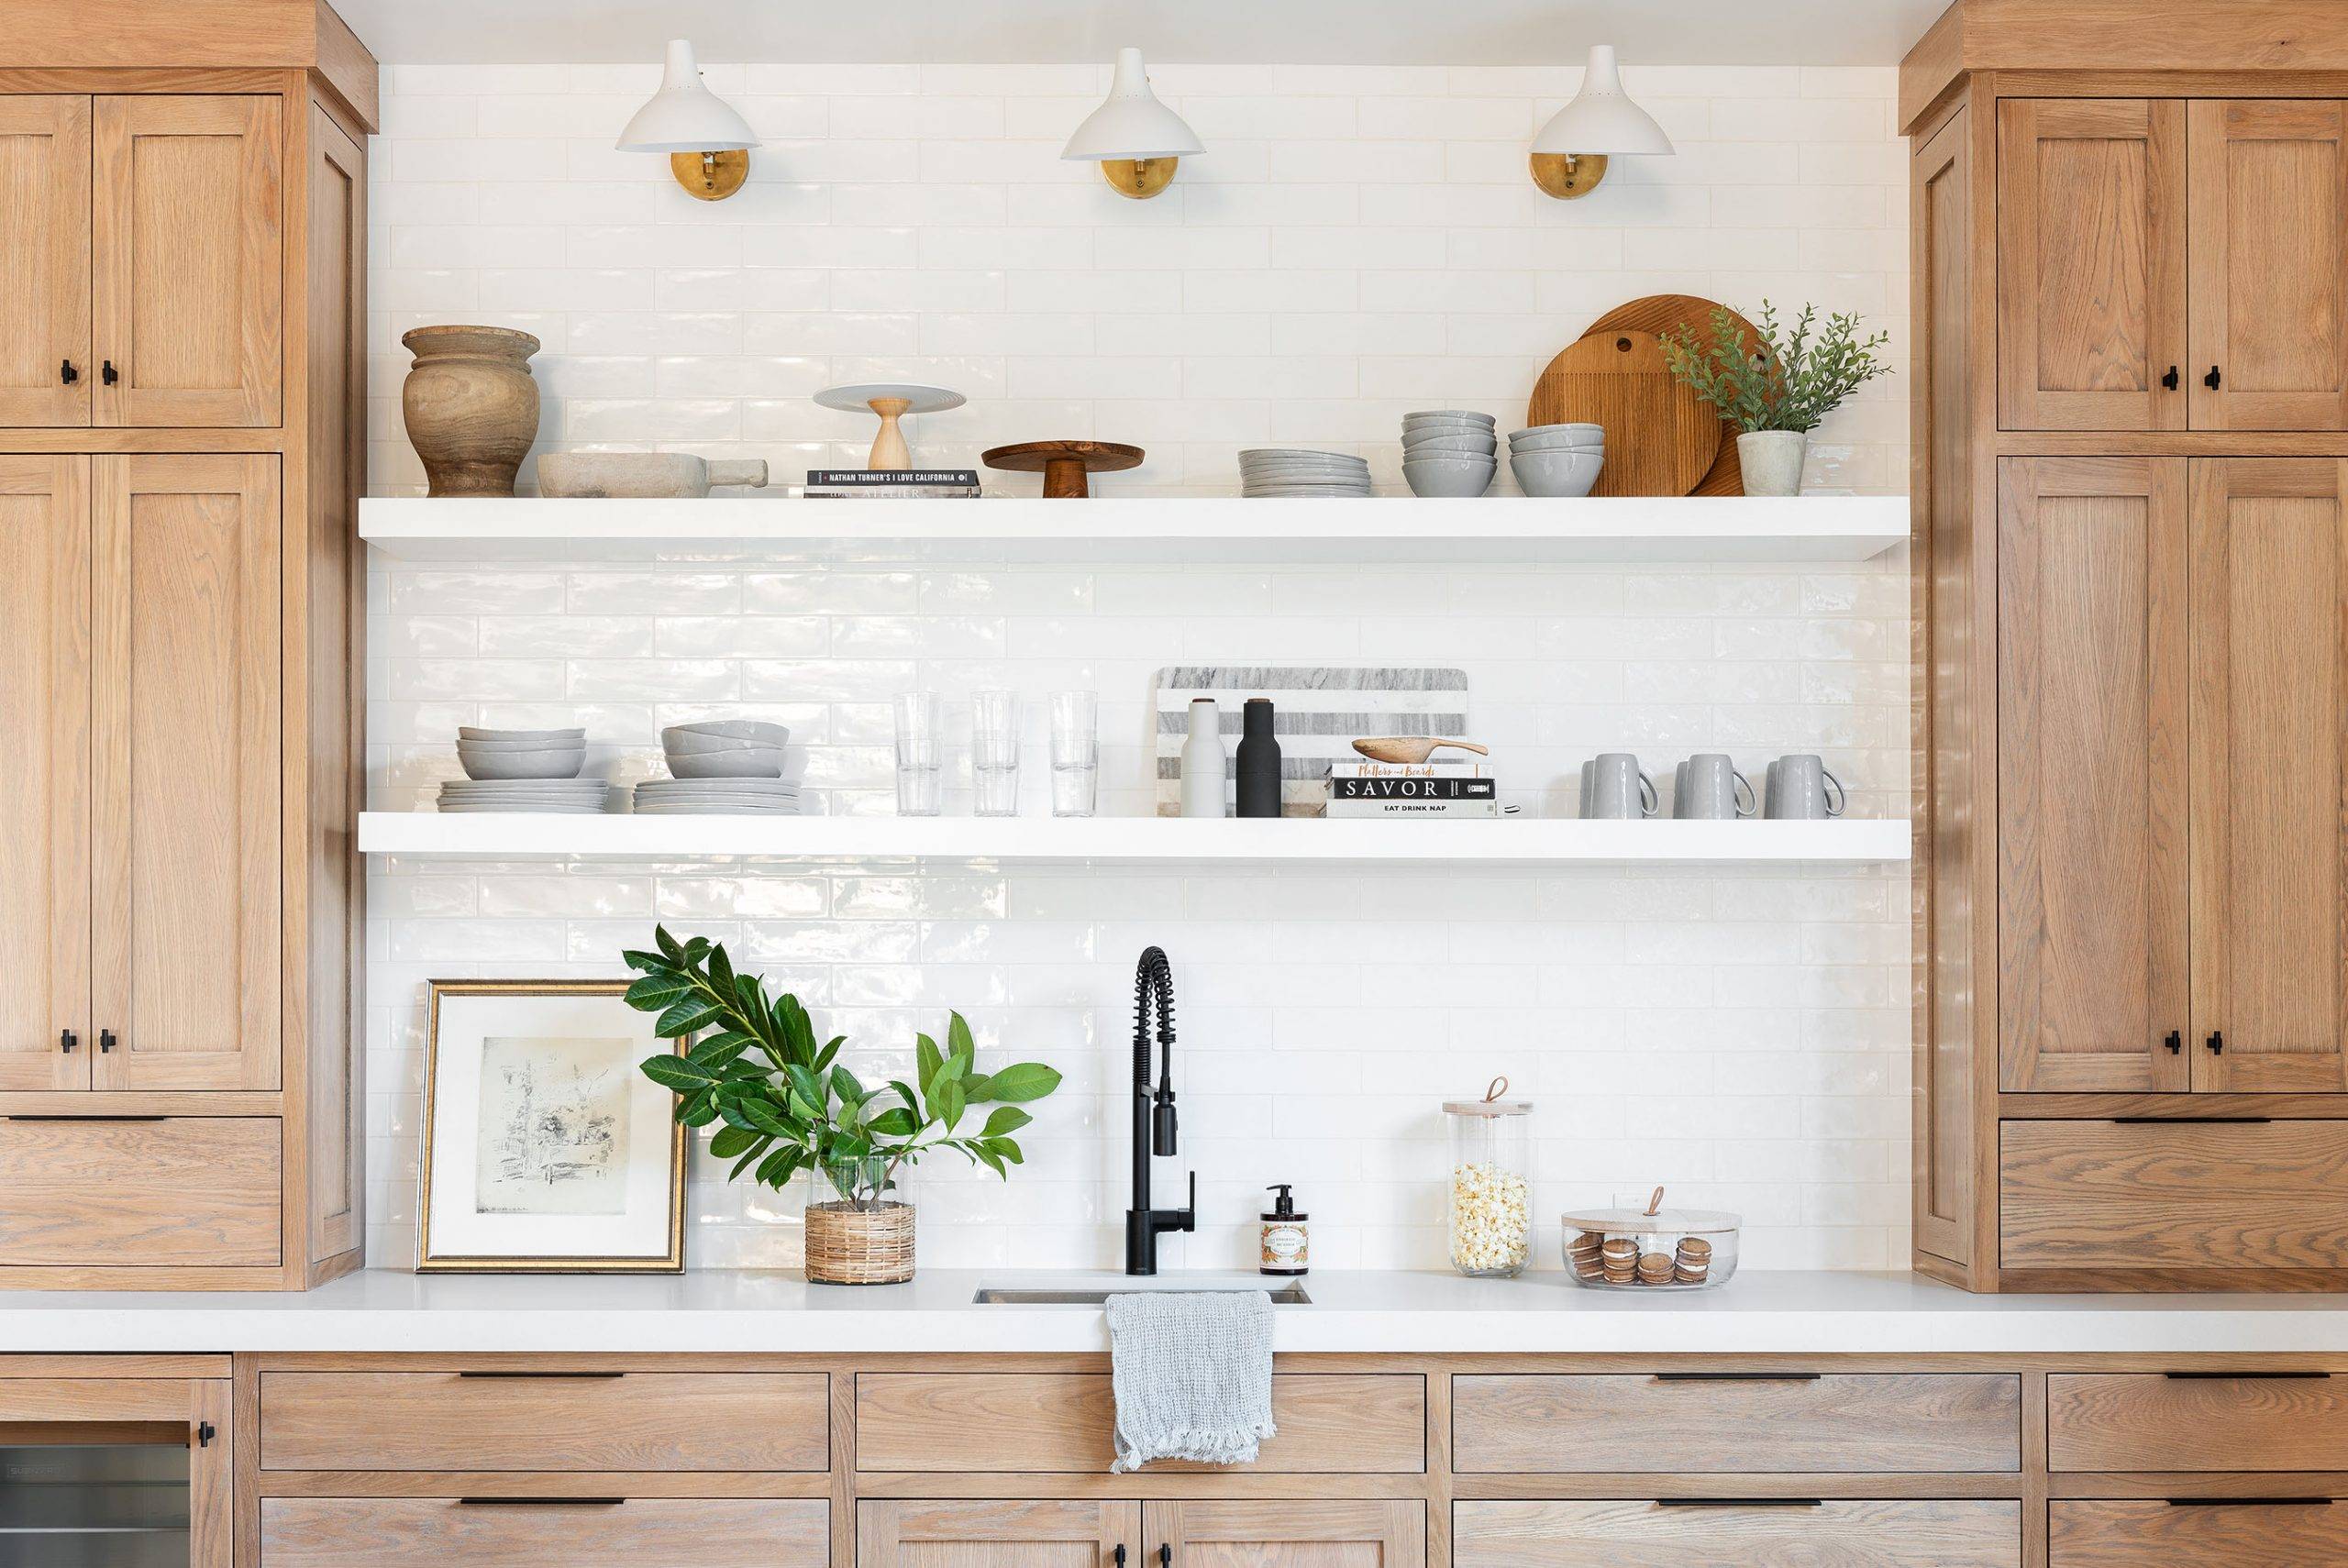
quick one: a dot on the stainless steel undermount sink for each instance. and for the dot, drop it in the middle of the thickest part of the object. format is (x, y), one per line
(995, 1296)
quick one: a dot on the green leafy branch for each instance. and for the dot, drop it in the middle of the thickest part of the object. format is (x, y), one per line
(789, 1105)
(1791, 379)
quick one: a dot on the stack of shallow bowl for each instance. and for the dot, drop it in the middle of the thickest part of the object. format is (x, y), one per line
(1450, 451)
(522, 770)
(1557, 459)
(722, 765)
(1270, 471)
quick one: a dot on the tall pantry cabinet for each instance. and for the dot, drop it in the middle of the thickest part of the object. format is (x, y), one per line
(2131, 685)
(181, 397)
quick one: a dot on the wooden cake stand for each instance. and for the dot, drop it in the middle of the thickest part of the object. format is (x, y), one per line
(1064, 464)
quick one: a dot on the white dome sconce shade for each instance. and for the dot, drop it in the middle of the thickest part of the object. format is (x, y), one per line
(707, 142)
(1136, 140)
(1570, 152)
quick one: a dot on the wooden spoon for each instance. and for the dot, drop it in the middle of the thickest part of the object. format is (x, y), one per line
(1411, 748)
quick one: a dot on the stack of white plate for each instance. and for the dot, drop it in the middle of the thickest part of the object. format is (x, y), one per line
(572, 797)
(1557, 459)
(1267, 471)
(1449, 451)
(706, 797)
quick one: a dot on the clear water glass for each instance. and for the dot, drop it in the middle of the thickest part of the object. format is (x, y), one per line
(1075, 753)
(995, 753)
(920, 753)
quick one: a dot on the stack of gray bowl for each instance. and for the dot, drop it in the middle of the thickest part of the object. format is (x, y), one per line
(1271, 471)
(522, 770)
(1449, 451)
(1557, 459)
(720, 765)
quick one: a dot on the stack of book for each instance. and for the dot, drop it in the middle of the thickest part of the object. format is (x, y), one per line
(1412, 789)
(900, 484)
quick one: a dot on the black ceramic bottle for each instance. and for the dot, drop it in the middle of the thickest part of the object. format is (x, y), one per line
(1259, 761)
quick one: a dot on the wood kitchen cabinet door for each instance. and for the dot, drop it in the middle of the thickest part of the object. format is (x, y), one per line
(45, 773)
(185, 773)
(189, 254)
(2092, 877)
(923, 1533)
(45, 369)
(2270, 265)
(1290, 1534)
(2270, 773)
(2092, 264)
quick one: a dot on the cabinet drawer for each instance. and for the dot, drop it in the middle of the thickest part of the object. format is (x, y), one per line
(453, 1420)
(1639, 1534)
(1035, 1422)
(671, 1532)
(1696, 1424)
(186, 1190)
(2153, 1534)
(2133, 1422)
(2173, 1195)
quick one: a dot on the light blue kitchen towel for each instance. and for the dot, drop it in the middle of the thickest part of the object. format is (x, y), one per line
(1192, 1374)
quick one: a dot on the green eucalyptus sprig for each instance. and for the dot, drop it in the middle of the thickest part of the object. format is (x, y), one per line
(789, 1105)
(1791, 379)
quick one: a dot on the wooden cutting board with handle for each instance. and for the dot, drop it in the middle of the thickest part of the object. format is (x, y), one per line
(1661, 440)
(1659, 313)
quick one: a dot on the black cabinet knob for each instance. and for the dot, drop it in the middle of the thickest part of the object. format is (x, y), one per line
(109, 374)
(2213, 380)
(2216, 1043)
(67, 1040)
(2172, 380)
(106, 1040)
(2175, 1042)
(67, 373)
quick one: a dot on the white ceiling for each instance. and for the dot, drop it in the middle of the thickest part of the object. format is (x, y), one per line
(1351, 32)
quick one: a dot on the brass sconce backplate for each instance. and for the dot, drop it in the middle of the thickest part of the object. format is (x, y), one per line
(1140, 178)
(1569, 175)
(710, 176)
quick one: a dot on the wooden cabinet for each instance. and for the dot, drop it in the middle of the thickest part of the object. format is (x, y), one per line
(2133, 1422)
(2270, 773)
(164, 1423)
(2270, 221)
(517, 1532)
(2211, 1532)
(163, 1192)
(1294, 1533)
(2091, 778)
(1713, 1533)
(184, 773)
(2092, 264)
(46, 372)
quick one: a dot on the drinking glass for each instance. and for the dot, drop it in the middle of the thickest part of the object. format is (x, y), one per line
(920, 753)
(1075, 753)
(995, 753)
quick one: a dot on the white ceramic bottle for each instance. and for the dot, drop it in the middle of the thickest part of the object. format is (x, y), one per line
(1203, 761)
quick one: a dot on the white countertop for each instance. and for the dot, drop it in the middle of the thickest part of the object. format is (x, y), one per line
(1770, 1313)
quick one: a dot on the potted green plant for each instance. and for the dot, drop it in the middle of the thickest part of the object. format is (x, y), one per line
(789, 1105)
(1777, 389)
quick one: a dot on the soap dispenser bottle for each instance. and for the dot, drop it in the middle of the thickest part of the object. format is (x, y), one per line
(1286, 1247)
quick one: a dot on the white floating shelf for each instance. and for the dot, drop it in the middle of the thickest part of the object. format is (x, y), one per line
(1371, 530)
(1128, 840)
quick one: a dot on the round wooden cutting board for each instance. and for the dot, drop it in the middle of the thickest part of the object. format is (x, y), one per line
(1659, 313)
(1660, 439)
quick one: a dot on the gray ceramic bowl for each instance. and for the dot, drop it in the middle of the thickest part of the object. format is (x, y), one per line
(1451, 476)
(1468, 415)
(1558, 474)
(468, 733)
(750, 762)
(722, 735)
(1434, 446)
(509, 765)
(1557, 444)
(1578, 432)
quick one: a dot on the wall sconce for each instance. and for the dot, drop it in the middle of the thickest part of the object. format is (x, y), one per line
(707, 143)
(1136, 140)
(1570, 155)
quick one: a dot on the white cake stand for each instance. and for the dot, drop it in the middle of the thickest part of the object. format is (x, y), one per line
(890, 399)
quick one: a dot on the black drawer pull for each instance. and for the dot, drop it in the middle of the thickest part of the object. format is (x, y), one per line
(2216, 1043)
(2175, 1042)
(106, 1040)
(1740, 1502)
(66, 373)
(67, 1040)
(541, 1502)
(2191, 1120)
(109, 374)
(2249, 1502)
(204, 1432)
(573, 1376)
(1737, 1377)
(103, 1119)
(2213, 380)
(2242, 1377)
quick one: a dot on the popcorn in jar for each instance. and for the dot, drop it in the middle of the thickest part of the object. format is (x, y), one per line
(1491, 1184)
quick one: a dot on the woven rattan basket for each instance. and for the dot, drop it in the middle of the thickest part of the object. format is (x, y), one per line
(849, 1245)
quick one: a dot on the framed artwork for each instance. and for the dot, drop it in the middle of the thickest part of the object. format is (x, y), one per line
(545, 1150)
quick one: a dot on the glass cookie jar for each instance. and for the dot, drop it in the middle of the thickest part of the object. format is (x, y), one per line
(1653, 1248)
(1491, 1183)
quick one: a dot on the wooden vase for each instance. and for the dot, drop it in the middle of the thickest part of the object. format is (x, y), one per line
(851, 1246)
(471, 406)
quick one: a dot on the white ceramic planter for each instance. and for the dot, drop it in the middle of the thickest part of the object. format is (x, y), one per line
(1772, 462)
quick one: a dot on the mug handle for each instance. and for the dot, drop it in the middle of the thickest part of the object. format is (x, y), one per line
(1745, 804)
(1648, 803)
(1837, 800)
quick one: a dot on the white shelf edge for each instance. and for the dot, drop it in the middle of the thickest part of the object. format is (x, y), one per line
(1400, 530)
(1130, 840)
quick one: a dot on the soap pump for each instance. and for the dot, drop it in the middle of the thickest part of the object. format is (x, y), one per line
(1286, 1249)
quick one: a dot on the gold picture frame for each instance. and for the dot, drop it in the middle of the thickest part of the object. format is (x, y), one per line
(476, 1260)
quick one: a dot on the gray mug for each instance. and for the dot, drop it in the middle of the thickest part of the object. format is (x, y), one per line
(1613, 787)
(1800, 789)
(1708, 787)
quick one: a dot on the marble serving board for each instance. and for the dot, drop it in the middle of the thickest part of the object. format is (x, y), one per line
(1318, 712)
